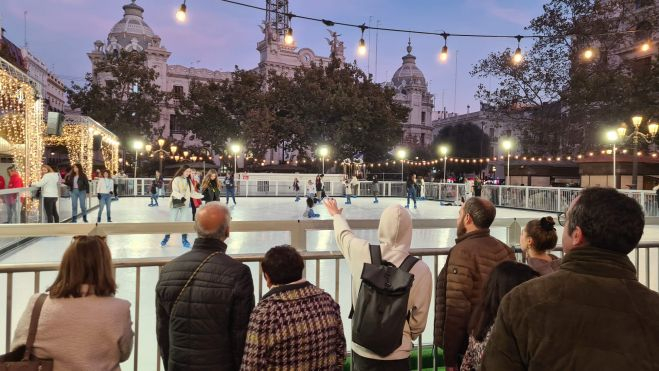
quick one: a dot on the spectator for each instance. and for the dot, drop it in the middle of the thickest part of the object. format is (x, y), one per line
(104, 190)
(296, 325)
(537, 240)
(319, 187)
(410, 186)
(115, 181)
(592, 314)
(395, 235)
(13, 203)
(504, 277)
(2, 182)
(478, 187)
(461, 281)
(179, 201)
(82, 325)
(203, 300)
(309, 213)
(230, 186)
(210, 187)
(49, 185)
(78, 183)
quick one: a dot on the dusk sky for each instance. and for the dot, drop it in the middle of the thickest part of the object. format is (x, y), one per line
(219, 35)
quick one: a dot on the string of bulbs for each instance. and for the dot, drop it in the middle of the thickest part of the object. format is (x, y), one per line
(517, 57)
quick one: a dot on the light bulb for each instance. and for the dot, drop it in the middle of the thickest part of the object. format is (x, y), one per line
(361, 50)
(645, 46)
(288, 38)
(588, 54)
(181, 13)
(443, 56)
(517, 57)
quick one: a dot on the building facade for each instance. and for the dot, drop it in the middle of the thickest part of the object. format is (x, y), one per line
(412, 91)
(53, 88)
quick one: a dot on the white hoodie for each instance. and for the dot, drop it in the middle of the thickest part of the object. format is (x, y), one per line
(395, 235)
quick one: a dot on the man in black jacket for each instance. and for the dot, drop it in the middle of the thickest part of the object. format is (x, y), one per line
(205, 328)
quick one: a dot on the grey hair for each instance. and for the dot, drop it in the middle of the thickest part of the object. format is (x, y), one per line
(220, 232)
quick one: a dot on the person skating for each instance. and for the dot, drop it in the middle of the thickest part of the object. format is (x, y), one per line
(78, 183)
(296, 188)
(354, 183)
(230, 186)
(210, 187)
(348, 189)
(375, 188)
(311, 189)
(105, 190)
(411, 190)
(196, 202)
(179, 200)
(309, 213)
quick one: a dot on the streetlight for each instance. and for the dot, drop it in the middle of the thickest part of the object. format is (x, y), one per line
(507, 145)
(401, 154)
(235, 148)
(635, 136)
(161, 151)
(443, 150)
(323, 151)
(137, 146)
(612, 136)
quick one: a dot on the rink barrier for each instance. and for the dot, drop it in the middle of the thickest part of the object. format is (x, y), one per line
(645, 257)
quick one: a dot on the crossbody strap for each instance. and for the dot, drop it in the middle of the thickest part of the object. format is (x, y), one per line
(34, 323)
(192, 276)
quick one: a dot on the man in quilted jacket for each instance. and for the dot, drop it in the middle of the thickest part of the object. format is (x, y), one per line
(460, 283)
(591, 314)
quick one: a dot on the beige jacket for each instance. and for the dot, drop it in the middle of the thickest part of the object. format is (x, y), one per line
(395, 235)
(79, 334)
(181, 189)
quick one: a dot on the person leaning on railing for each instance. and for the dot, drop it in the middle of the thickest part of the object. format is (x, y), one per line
(82, 325)
(13, 206)
(49, 185)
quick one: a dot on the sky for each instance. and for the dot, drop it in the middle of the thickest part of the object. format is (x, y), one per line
(219, 35)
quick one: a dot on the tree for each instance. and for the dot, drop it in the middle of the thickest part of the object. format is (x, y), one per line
(560, 99)
(464, 141)
(121, 93)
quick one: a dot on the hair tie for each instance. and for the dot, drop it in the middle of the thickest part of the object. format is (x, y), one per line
(547, 224)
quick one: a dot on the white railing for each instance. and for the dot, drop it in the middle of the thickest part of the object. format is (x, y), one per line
(327, 269)
(449, 192)
(556, 199)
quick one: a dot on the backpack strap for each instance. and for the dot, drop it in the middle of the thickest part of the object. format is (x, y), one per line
(376, 255)
(408, 263)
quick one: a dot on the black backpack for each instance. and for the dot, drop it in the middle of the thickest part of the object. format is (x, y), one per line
(379, 315)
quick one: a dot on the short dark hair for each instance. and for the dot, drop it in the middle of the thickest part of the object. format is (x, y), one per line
(482, 211)
(309, 202)
(283, 264)
(608, 219)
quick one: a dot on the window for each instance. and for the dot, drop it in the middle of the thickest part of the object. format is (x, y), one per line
(110, 83)
(135, 88)
(491, 132)
(423, 136)
(178, 90)
(508, 133)
(423, 118)
(174, 125)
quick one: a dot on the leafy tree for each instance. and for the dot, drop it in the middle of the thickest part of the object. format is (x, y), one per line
(560, 99)
(121, 93)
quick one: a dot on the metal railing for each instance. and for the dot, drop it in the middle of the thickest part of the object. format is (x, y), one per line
(556, 199)
(448, 192)
(327, 269)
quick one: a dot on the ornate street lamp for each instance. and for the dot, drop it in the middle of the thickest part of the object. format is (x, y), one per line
(635, 137)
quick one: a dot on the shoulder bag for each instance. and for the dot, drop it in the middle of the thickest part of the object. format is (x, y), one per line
(22, 358)
(187, 283)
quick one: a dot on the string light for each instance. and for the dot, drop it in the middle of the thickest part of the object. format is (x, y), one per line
(588, 54)
(443, 55)
(288, 38)
(517, 57)
(181, 14)
(361, 49)
(645, 46)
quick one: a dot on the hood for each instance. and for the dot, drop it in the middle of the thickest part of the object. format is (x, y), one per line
(395, 231)
(293, 292)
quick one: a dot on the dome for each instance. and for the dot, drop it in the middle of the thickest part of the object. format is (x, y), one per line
(131, 32)
(409, 74)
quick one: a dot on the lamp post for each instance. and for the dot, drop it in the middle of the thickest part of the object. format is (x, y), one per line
(161, 152)
(323, 151)
(137, 146)
(612, 136)
(401, 154)
(443, 150)
(635, 137)
(235, 148)
(507, 145)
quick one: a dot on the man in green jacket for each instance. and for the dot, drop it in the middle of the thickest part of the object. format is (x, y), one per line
(592, 314)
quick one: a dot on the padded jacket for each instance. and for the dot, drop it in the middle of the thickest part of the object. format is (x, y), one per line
(460, 286)
(209, 326)
(591, 314)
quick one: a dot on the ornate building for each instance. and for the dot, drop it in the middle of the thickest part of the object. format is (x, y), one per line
(132, 33)
(412, 91)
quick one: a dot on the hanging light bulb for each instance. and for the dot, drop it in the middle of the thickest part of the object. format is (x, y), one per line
(443, 56)
(361, 49)
(181, 13)
(645, 46)
(588, 54)
(288, 38)
(517, 57)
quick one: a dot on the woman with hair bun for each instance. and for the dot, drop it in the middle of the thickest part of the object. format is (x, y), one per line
(537, 241)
